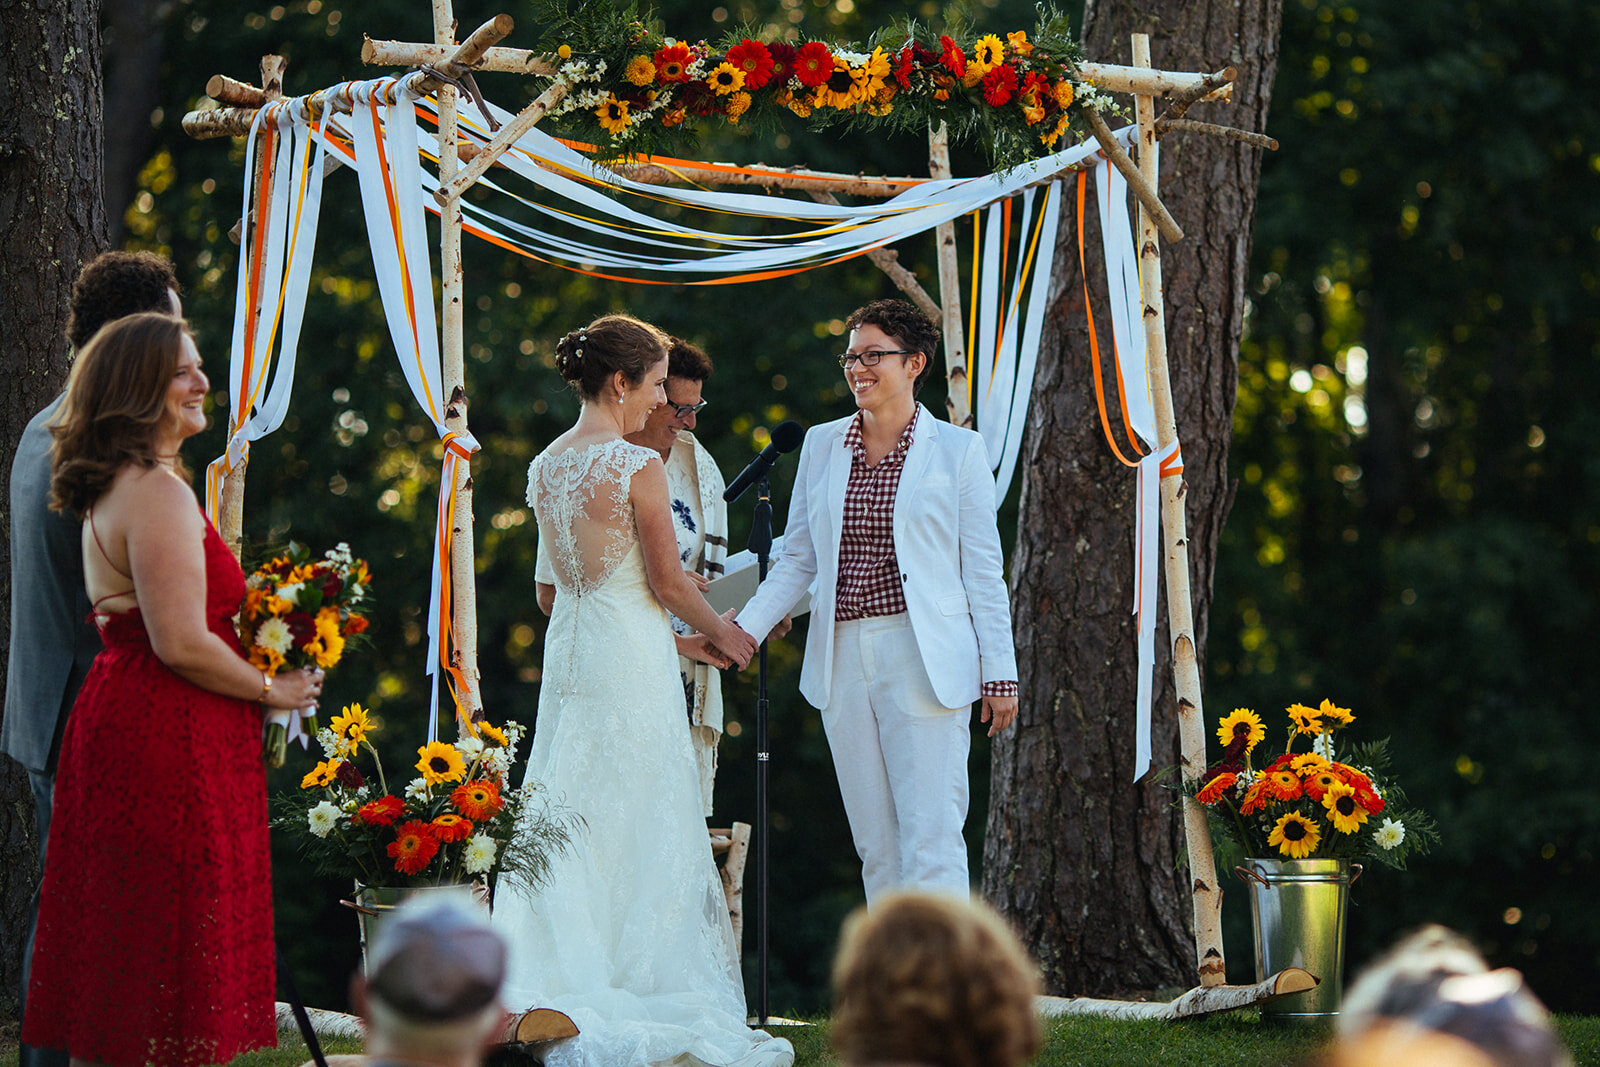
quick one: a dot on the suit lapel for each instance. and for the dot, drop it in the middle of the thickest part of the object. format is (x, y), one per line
(918, 456)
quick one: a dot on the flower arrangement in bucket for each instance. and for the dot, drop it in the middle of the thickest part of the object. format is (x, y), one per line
(1308, 803)
(300, 612)
(457, 821)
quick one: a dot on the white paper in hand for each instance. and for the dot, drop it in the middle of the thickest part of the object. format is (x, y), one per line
(738, 582)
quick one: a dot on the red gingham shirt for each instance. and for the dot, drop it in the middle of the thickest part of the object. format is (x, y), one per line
(869, 571)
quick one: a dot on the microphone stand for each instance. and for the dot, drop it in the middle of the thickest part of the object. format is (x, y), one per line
(761, 547)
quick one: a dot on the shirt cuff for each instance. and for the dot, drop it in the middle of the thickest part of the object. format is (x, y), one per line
(999, 689)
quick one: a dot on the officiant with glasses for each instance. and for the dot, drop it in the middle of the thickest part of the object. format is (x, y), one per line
(701, 522)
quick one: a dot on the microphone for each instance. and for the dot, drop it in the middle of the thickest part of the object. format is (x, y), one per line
(786, 437)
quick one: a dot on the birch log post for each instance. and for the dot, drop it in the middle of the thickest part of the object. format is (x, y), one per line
(956, 404)
(232, 507)
(1175, 542)
(1204, 1000)
(463, 547)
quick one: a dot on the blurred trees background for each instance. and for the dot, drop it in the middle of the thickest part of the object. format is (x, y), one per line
(1414, 524)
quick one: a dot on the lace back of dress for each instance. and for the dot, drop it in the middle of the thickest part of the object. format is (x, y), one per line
(580, 498)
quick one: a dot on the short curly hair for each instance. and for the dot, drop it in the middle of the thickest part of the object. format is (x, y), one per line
(906, 323)
(688, 361)
(934, 980)
(117, 284)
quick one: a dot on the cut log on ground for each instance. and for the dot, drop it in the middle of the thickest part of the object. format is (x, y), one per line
(324, 1023)
(1202, 1000)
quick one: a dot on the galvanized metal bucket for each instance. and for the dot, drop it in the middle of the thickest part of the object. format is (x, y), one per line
(1298, 909)
(373, 904)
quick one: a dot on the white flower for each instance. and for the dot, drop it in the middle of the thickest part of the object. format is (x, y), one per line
(323, 818)
(274, 636)
(513, 731)
(332, 744)
(479, 855)
(1323, 746)
(470, 748)
(497, 761)
(854, 58)
(291, 592)
(1390, 834)
(417, 789)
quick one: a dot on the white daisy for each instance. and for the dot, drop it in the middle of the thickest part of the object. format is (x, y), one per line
(274, 636)
(290, 592)
(417, 789)
(480, 852)
(323, 818)
(497, 761)
(332, 744)
(1390, 834)
(470, 748)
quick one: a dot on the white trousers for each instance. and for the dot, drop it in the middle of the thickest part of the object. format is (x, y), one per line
(901, 757)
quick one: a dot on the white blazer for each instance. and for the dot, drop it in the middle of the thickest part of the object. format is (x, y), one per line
(944, 537)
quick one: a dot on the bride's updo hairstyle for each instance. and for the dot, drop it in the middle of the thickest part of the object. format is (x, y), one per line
(587, 358)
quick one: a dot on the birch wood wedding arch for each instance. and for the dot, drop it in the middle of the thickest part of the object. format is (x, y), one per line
(464, 161)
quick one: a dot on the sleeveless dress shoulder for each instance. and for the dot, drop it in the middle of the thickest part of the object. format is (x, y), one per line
(154, 943)
(630, 936)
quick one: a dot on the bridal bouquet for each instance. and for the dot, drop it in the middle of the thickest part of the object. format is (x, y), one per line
(1319, 802)
(300, 612)
(458, 820)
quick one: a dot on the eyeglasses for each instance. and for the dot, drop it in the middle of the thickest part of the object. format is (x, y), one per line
(870, 359)
(683, 411)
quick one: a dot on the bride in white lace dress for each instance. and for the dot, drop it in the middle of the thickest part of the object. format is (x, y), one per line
(630, 936)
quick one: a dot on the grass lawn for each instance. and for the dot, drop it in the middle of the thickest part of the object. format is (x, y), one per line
(1236, 1038)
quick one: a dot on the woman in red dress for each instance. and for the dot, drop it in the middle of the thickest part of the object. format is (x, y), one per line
(155, 917)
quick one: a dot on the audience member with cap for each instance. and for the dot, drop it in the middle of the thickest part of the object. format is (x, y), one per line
(1433, 999)
(431, 994)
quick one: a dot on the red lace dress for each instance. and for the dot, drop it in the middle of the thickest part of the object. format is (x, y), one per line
(155, 917)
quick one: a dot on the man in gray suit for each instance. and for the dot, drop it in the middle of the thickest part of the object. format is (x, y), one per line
(52, 640)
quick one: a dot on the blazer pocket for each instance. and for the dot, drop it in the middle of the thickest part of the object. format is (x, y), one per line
(954, 605)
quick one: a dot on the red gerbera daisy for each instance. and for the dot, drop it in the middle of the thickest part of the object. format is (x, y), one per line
(954, 59)
(1366, 795)
(414, 847)
(381, 812)
(479, 799)
(812, 64)
(672, 62)
(753, 58)
(782, 56)
(904, 66)
(999, 85)
(1255, 798)
(451, 828)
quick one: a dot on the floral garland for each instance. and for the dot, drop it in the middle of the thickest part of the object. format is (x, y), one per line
(627, 86)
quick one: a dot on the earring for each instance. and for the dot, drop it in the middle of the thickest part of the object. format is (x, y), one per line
(620, 398)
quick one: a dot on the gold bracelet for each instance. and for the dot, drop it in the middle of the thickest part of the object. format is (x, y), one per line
(266, 687)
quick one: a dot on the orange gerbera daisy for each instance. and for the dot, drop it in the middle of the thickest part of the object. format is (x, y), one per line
(381, 812)
(1317, 782)
(1216, 787)
(413, 847)
(478, 799)
(451, 828)
(672, 62)
(1282, 784)
(1255, 798)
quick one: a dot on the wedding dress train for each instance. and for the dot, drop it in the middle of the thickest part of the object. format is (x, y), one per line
(630, 935)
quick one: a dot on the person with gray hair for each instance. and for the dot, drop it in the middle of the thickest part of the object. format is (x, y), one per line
(431, 994)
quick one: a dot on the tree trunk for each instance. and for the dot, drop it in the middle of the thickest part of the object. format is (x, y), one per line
(52, 219)
(1086, 863)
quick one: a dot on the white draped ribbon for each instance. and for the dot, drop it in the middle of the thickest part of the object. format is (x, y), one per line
(391, 180)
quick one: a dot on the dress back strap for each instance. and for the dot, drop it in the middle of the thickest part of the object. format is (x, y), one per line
(93, 532)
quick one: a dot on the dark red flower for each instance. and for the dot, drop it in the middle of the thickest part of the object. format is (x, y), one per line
(349, 776)
(699, 98)
(302, 627)
(904, 66)
(332, 586)
(782, 56)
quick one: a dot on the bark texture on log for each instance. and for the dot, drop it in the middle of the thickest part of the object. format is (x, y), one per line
(1086, 863)
(52, 220)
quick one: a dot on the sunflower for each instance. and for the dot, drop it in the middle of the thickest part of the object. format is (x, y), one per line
(1318, 782)
(351, 726)
(613, 114)
(1241, 721)
(1308, 763)
(640, 71)
(672, 62)
(988, 53)
(413, 847)
(322, 775)
(1215, 788)
(449, 828)
(1306, 720)
(1295, 836)
(1332, 714)
(842, 89)
(1344, 811)
(490, 732)
(812, 64)
(381, 812)
(1282, 785)
(440, 762)
(478, 799)
(725, 79)
(1049, 137)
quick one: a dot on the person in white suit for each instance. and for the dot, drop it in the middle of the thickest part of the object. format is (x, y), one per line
(893, 522)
